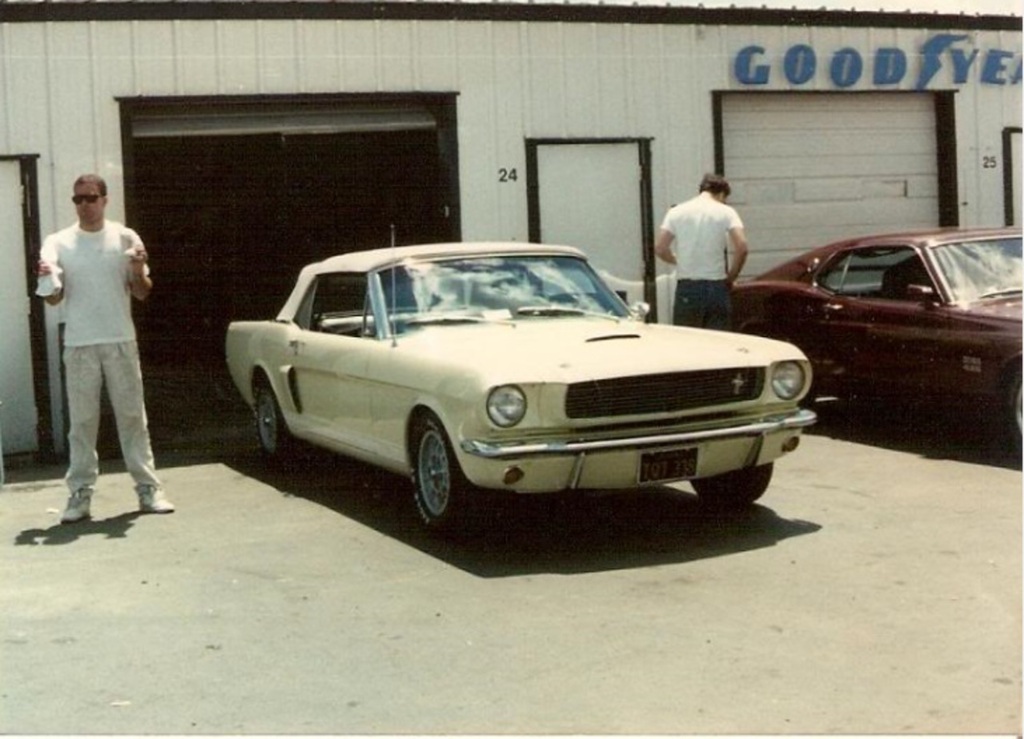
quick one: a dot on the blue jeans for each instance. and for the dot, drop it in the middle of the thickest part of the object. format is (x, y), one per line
(703, 304)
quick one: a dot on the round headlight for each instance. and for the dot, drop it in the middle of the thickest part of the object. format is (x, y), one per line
(506, 405)
(788, 379)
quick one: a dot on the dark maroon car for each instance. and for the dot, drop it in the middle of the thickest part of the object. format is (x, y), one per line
(932, 314)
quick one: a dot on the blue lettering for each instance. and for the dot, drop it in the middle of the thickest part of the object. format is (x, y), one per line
(962, 64)
(799, 64)
(995, 67)
(890, 66)
(747, 74)
(932, 51)
(847, 67)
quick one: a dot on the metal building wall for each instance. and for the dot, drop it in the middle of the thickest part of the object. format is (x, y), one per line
(515, 80)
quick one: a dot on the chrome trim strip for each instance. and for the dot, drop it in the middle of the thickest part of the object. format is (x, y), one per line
(379, 307)
(799, 418)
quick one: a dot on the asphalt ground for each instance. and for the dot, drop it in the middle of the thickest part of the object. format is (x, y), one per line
(876, 588)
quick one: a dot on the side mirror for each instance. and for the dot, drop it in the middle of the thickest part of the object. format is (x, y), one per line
(921, 294)
(639, 311)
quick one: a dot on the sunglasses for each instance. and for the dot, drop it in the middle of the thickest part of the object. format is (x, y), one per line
(79, 199)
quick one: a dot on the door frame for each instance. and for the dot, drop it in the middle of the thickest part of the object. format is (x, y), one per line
(1011, 199)
(28, 173)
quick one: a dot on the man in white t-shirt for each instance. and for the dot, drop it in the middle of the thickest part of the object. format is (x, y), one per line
(703, 230)
(94, 268)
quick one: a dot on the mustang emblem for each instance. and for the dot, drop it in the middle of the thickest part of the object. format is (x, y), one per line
(738, 382)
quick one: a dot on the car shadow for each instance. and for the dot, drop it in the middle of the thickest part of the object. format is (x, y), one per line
(971, 434)
(532, 534)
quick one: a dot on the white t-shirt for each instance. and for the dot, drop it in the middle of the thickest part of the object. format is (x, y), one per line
(701, 228)
(95, 272)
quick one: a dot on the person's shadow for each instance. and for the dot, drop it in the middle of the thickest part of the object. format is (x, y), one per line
(115, 527)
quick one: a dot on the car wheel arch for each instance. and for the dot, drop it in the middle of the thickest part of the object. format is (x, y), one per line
(418, 415)
(1010, 392)
(272, 432)
(262, 377)
(259, 379)
(444, 503)
(1011, 372)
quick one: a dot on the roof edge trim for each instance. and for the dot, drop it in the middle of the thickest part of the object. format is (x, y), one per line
(36, 11)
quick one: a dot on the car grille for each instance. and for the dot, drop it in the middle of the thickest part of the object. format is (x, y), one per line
(662, 393)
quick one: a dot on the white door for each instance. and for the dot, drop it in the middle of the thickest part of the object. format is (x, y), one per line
(589, 197)
(18, 415)
(807, 169)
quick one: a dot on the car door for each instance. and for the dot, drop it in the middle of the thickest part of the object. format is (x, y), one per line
(330, 359)
(820, 319)
(882, 334)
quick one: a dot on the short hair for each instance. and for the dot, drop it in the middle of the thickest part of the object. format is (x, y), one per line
(93, 179)
(715, 184)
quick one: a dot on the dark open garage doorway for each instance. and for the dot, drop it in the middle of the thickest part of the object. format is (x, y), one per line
(234, 195)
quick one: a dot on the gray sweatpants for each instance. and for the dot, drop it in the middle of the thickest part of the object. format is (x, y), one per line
(88, 367)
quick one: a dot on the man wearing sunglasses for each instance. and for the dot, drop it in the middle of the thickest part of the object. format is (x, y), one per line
(94, 268)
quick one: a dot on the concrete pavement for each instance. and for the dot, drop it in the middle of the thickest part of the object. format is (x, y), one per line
(876, 590)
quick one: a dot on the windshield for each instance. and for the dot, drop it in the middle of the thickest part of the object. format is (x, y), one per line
(495, 288)
(975, 270)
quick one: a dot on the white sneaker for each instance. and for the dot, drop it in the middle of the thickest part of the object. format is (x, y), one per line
(78, 506)
(152, 500)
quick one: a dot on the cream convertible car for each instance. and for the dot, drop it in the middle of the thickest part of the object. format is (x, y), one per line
(513, 367)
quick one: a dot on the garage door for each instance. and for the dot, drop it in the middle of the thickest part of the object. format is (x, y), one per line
(807, 169)
(274, 183)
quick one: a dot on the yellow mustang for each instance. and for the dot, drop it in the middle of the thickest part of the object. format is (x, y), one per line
(512, 367)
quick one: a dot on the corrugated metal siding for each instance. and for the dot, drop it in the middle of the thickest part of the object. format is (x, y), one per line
(514, 80)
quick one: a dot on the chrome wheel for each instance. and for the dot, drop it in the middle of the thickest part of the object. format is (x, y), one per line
(442, 491)
(271, 432)
(434, 474)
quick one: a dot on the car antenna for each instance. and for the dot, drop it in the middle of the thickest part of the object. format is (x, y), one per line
(394, 290)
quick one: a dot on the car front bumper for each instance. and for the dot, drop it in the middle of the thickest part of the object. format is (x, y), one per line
(551, 465)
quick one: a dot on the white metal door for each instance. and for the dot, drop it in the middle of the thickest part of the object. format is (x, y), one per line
(590, 197)
(807, 169)
(18, 415)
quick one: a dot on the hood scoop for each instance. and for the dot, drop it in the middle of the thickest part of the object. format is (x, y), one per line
(612, 337)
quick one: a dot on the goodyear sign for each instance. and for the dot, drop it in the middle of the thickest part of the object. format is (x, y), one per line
(943, 53)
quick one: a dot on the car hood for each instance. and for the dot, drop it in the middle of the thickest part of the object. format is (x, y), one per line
(570, 349)
(1008, 309)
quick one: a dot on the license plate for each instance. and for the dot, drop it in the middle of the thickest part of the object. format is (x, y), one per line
(671, 464)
